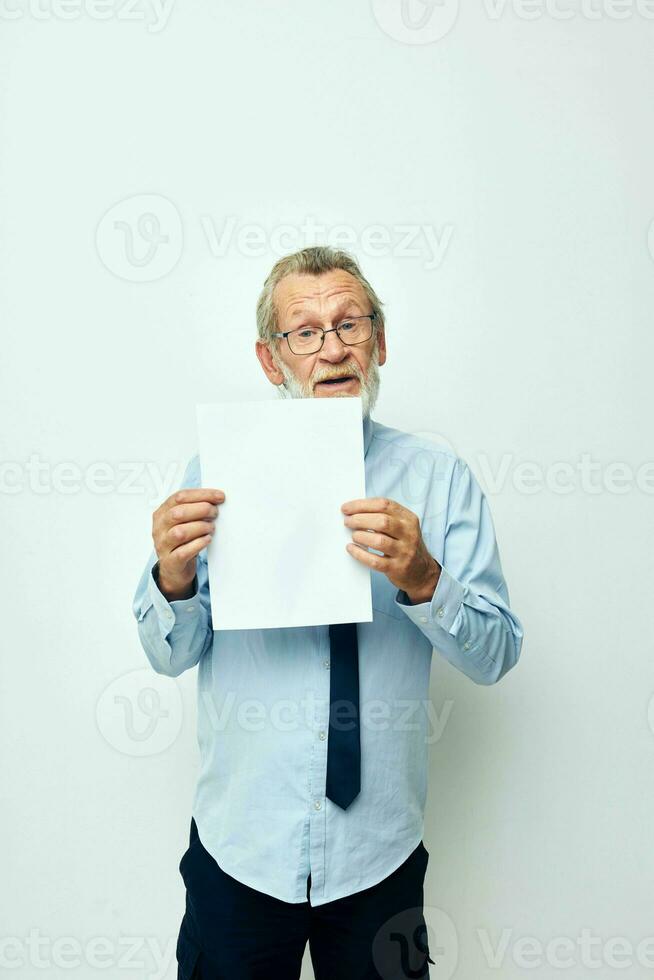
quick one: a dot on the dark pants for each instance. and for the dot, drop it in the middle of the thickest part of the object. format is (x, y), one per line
(233, 932)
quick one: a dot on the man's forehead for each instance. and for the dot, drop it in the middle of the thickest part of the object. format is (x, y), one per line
(296, 291)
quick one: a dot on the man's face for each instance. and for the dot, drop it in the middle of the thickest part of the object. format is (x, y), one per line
(323, 301)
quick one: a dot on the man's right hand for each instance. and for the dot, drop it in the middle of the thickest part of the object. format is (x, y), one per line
(181, 527)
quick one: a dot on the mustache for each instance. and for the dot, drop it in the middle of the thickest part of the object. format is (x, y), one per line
(349, 373)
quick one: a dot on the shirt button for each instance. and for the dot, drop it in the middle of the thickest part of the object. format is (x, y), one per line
(325, 663)
(440, 611)
(190, 608)
(466, 645)
(317, 804)
(423, 619)
(322, 736)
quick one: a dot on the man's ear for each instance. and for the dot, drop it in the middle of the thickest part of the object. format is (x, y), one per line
(381, 347)
(264, 354)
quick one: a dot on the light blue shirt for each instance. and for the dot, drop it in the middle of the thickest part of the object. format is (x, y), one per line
(263, 694)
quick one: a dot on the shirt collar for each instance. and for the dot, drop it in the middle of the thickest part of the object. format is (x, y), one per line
(367, 433)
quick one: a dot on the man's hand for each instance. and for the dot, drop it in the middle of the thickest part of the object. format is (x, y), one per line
(181, 527)
(393, 529)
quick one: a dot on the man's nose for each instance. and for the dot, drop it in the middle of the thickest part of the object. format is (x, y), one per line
(333, 348)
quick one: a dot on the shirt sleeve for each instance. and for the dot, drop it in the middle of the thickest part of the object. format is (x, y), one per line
(468, 619)
(174, 635)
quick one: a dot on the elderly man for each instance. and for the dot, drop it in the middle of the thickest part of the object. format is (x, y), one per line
(312, 831)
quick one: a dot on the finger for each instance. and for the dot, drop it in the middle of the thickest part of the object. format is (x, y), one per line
(182, 555)
(380, 542)
(379, 562)
(181, 533)
(370, 504)
(382, 523)
(191, 512)
(191, 495)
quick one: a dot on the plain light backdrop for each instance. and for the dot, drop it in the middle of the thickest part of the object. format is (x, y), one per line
(490, 167)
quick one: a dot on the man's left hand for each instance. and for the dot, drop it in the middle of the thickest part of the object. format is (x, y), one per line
(389, 527)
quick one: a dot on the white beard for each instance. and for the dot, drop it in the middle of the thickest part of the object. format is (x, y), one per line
(291, 387)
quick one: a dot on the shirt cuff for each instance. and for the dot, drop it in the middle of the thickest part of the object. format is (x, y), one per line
(443, 607)
(170, 613)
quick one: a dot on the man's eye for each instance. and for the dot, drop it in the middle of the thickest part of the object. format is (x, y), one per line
(347, 325)
(306, 332)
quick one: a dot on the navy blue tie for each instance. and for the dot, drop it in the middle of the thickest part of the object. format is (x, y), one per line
(343, 747)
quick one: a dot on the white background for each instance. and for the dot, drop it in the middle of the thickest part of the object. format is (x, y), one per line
(522, 139)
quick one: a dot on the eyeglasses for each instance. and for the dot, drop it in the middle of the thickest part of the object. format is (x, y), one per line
(308, 340)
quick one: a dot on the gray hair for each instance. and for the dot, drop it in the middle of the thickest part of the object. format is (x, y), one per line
(312, 261)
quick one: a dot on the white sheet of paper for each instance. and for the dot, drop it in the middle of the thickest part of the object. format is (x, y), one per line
(278, 556)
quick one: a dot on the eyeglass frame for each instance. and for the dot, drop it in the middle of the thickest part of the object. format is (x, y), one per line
(362, 316)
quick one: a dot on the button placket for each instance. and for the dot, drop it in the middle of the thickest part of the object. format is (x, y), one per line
(318, 766)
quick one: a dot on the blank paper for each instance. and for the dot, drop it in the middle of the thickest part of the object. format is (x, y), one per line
(278, 555)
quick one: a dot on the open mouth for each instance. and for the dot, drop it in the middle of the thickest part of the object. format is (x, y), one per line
(337, 382)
